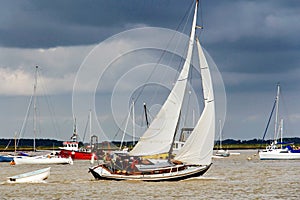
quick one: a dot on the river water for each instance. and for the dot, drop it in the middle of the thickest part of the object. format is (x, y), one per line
(241, 176)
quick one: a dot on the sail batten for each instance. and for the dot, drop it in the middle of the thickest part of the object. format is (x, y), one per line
(158, 138)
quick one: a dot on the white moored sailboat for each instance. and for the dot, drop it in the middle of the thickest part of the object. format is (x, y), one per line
(40, 159)
(279, 150)
(221, 152)
(194, 158)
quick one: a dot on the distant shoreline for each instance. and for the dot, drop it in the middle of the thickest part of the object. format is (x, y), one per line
(7, 145)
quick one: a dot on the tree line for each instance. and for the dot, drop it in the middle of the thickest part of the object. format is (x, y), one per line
(58, 143)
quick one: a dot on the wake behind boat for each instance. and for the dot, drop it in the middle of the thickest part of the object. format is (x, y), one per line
(194, 158)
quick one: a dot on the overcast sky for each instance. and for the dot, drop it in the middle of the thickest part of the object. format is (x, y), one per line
(254, 43)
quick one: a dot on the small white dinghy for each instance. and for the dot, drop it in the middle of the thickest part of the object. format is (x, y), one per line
(30, 177)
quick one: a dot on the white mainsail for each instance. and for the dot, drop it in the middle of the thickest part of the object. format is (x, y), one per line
(198, 149)
(158, 138)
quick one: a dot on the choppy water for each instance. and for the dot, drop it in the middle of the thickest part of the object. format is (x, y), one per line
(234, 177)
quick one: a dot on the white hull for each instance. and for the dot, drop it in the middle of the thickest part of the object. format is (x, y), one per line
(194, 157)
(277, 155)
(42, 160)
(222, 153)
(172, 173)
(281, 150)
(34, 176)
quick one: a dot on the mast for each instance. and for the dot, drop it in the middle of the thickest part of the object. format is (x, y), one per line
(220, 134)
(171, 148)
(124, 132)
(90, 125)
(34, 107)
(133, 124)
(158, 138)
(74, 136)
(281, 130)
(276, 113)
(146, 116)
(15, 153)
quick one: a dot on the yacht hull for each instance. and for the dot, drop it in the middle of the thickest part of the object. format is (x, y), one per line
(279, 156)
(42, 160)
(101, 173)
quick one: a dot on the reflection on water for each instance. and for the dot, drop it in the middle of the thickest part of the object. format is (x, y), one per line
(234, 177)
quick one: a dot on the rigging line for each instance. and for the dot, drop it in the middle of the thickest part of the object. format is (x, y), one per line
(180, 65)
(125, 129)
(190, 75)
(186, 47)
(25, 120)
(8, 144)
(150, 116)
(270, 117)
(201, 13)
(119, 129)
(38, 119)
(49, 104)
(201, 19)
(159, 60)
(86, 127)
(173, 139)
(162, 55)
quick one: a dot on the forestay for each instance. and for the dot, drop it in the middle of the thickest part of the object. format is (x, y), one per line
(159, 136)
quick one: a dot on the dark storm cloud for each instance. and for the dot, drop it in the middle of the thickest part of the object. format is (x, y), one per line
(254, 43)
(42, 24)
(239, 25)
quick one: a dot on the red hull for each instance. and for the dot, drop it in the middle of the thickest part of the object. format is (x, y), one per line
(76, 155)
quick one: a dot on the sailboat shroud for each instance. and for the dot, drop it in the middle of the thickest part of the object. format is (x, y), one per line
(158, 138)
(40, 159)
(195, 157)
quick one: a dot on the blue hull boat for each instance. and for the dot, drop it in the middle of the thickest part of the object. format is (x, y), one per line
(6, 158)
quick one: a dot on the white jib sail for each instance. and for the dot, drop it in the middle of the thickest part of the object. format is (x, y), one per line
(198, 149)
(158, 137)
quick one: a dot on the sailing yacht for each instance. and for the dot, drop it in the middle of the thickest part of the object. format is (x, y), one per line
(194, 158)
(221, 152)
(279, 150)
(38, 159)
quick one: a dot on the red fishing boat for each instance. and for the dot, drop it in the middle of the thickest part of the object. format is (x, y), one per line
(76, 150)
(71, 149)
